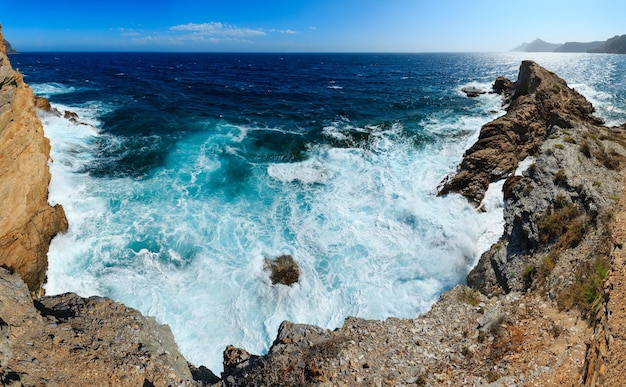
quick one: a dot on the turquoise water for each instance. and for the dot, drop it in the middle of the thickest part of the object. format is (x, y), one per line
(196, 167)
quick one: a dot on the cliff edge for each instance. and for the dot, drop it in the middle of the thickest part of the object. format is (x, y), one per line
(27, 221)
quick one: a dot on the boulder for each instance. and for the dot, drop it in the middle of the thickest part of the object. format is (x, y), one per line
(283, 270)
(472, 91)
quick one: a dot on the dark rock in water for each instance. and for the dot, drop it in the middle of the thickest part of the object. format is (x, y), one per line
(284, 270)
(472, 91)
(73, 117)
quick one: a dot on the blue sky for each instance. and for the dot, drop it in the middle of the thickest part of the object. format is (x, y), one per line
(304, 25)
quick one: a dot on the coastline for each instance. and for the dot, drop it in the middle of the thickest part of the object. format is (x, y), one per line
(429, 349)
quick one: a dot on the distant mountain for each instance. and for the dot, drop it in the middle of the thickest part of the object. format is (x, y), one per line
(537, 45)
(10, 50)
(615, 45)
(578, 47)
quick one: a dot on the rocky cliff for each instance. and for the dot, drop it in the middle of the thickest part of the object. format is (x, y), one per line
(543, 306)
(62, 340)
(539, 100)
(27, 221)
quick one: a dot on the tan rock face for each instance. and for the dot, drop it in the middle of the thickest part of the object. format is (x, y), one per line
(27, 221)
(540, 98)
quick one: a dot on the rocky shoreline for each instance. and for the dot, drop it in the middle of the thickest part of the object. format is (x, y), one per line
(541, 308)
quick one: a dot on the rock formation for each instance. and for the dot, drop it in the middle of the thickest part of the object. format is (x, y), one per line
(65, 339)
(283, 270)
(68, 340)
(27, 221)
(539, 99)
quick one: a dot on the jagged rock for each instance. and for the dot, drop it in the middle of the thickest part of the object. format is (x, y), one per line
(455, 343)
(283, 270)
(28, 222)
(69, 340)
(577, 168)
(503, 142)
(502, 85)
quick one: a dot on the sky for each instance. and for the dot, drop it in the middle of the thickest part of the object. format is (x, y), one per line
(304, 25)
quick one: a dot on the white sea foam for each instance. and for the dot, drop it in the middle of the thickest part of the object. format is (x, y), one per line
(51, 88)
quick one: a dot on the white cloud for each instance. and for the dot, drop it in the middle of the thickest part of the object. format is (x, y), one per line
(217, 29)
(289, 32)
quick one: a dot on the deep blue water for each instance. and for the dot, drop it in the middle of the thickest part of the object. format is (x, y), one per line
(196, 167)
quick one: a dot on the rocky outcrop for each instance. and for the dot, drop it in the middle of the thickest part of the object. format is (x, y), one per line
(466, 339)
(27, 221)
(283, 270)
(539, 99)
(68, 340)
(557, 211)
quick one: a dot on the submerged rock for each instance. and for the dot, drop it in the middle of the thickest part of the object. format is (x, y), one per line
(283, 270)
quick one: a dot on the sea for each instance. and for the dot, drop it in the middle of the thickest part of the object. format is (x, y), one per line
(187, 171)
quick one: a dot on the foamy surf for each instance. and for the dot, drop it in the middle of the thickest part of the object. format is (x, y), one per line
(363, 224)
